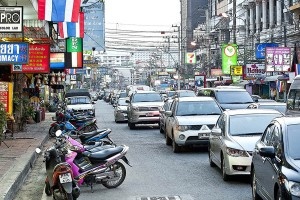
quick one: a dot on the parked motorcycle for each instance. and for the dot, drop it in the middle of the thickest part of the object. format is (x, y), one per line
(96, 165)
(60, 182)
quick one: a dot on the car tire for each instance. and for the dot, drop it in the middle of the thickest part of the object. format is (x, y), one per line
(255, 196)
(175, 147)
(211, 163)
(168, 140)
(223, 166)
(131, 125)
(279, 194)
(160, 128)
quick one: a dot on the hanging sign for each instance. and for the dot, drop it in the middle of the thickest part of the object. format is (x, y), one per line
(190, 58)
(229, 57)
(14, 52)
(236, 70)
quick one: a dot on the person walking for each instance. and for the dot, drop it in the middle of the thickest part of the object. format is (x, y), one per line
(273, 93)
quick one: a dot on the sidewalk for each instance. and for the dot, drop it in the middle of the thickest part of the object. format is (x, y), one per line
(16, 161)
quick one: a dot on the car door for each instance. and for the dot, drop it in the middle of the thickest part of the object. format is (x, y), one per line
(216, 140)
(169, 120)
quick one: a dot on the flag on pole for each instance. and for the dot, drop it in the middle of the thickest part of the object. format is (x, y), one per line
(59, 10)
(72, 29)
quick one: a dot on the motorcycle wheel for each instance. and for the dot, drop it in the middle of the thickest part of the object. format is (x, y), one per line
(52, 130)
(48, 190)
(69, 196)
(120, 174)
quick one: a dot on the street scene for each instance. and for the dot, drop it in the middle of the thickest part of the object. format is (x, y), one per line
(149, 100)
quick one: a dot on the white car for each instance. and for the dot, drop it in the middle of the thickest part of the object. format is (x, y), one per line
(233, 139)
(190, 120)
(81, 104)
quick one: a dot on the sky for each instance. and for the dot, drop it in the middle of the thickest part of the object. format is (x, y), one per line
(140, 16)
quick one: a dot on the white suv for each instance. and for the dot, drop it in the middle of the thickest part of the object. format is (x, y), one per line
(143, 108)
(81, 104)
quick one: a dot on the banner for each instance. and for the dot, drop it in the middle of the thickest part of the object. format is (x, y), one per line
(229, 57)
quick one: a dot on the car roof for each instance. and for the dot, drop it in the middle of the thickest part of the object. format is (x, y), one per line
(289, 120)
(178, 91)
(270, 103)
(251, 111)
(224, 89)
(143, 91)
(204, 98)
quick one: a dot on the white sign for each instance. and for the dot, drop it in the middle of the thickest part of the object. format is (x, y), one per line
(11, 19)
(255, 70)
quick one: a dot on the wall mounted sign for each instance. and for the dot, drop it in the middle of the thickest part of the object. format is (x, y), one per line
(39, 60)
(278, 59)
(14, 52)
(11, 19)
(236, 70)
(260, 49)
(74, 54)
(253, 71)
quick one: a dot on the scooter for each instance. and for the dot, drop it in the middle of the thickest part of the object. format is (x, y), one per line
(96, 165)
(60, 182)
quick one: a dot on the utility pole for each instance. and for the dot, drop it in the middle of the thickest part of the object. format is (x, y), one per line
(179, 55)
(234, 21)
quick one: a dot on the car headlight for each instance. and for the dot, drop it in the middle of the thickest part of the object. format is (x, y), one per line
(183, 127)
(292, 187)
(135, 108)
(236, 152)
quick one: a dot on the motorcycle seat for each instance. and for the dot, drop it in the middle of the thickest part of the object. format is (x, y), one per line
(103, 154)
(87, 135)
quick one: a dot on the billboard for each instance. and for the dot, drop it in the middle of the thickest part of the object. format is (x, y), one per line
(229, 57)
(260, 49)
(253, 71)
(14, 53)
(278, 59)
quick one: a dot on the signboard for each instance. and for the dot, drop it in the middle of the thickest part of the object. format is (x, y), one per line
(260, 49)
(229, 57)
(278, 59)
(39, 60)
(57, 60)
(200, 80)
(74, 54)
(11, 19)
(190, 58)
(6, 96)
(254, 70)
(236, 70)
(216, 72)
(14, 52)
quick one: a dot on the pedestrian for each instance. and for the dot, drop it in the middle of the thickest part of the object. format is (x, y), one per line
(273, 93)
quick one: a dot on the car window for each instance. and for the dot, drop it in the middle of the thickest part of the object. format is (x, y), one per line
(78, 100)
(268, 135)
(293, 138)
(198, 108)
(122, 102)
(276, 141)
(146, 97)
(221, 123)
(233, 97)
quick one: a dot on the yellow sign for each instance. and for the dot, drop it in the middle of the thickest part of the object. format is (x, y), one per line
(6, 96)
(236, 70)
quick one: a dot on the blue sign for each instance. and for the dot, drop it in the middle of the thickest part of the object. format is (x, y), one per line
(261, 48)
(14, 53)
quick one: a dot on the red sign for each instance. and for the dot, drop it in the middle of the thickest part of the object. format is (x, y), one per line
(4, 96)
(39, 59)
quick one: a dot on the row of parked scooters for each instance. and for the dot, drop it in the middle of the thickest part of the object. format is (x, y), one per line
(79, 157)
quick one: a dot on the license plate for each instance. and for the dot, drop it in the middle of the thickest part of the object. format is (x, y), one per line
(149, 114)
(65, 178)
(201, 135)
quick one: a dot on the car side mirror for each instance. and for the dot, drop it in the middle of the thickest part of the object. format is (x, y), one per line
(127, 101)
(216, 131)
(267, 151)
(168, 113)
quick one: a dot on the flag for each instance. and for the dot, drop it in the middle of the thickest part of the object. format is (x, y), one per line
(279, 86)
(72, 29)
(59, 10)
(297, 70)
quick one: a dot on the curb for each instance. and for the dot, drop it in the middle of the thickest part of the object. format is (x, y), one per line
(16, 176)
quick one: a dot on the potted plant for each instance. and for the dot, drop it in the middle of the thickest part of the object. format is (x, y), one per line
(29, 114)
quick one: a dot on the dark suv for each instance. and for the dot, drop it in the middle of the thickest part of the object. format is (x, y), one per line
(143, 108)
(228, 97)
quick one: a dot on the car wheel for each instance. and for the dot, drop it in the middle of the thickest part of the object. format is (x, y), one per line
(223, 168)
(211, 163)
(131, 125)
(168, 140)
(255, 196)
(279, 195)
(160, 129)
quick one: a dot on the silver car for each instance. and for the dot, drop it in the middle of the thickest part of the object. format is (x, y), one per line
(190, 120)
(233, 138)
(120, 111)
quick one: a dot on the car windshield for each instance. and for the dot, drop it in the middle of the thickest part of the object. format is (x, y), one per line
(146, 97)
(280, 108)
(233, 97)
(122, 95)
(186, 94)
(186, 108)
(171, 93)
(249, 123)
(78, 100)
(293, 138)
(122, 102)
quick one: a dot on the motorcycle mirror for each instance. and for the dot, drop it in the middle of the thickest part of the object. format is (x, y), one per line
(38, 150)
(58, 133)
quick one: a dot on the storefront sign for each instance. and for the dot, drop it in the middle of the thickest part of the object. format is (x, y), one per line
(260, 49)
(14, 53)
(39, 60)
(216, 72)
(6, 91)
(236, 70)
(278, 59)
(229, 57)
(11, 19)
(254, 70)
(74, 54)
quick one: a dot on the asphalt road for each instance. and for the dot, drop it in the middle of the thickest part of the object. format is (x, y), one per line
(156, 173)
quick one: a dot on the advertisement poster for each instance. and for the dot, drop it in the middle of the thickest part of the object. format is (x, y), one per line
(260, 49)
(39, 60)
(200, 80)
(253, 71)
(278, 59)
(236, 70)
(6, 91)
(229, 57)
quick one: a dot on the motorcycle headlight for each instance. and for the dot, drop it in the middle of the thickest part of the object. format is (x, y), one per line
(292, 187)
(183, 127)
(236, 152)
